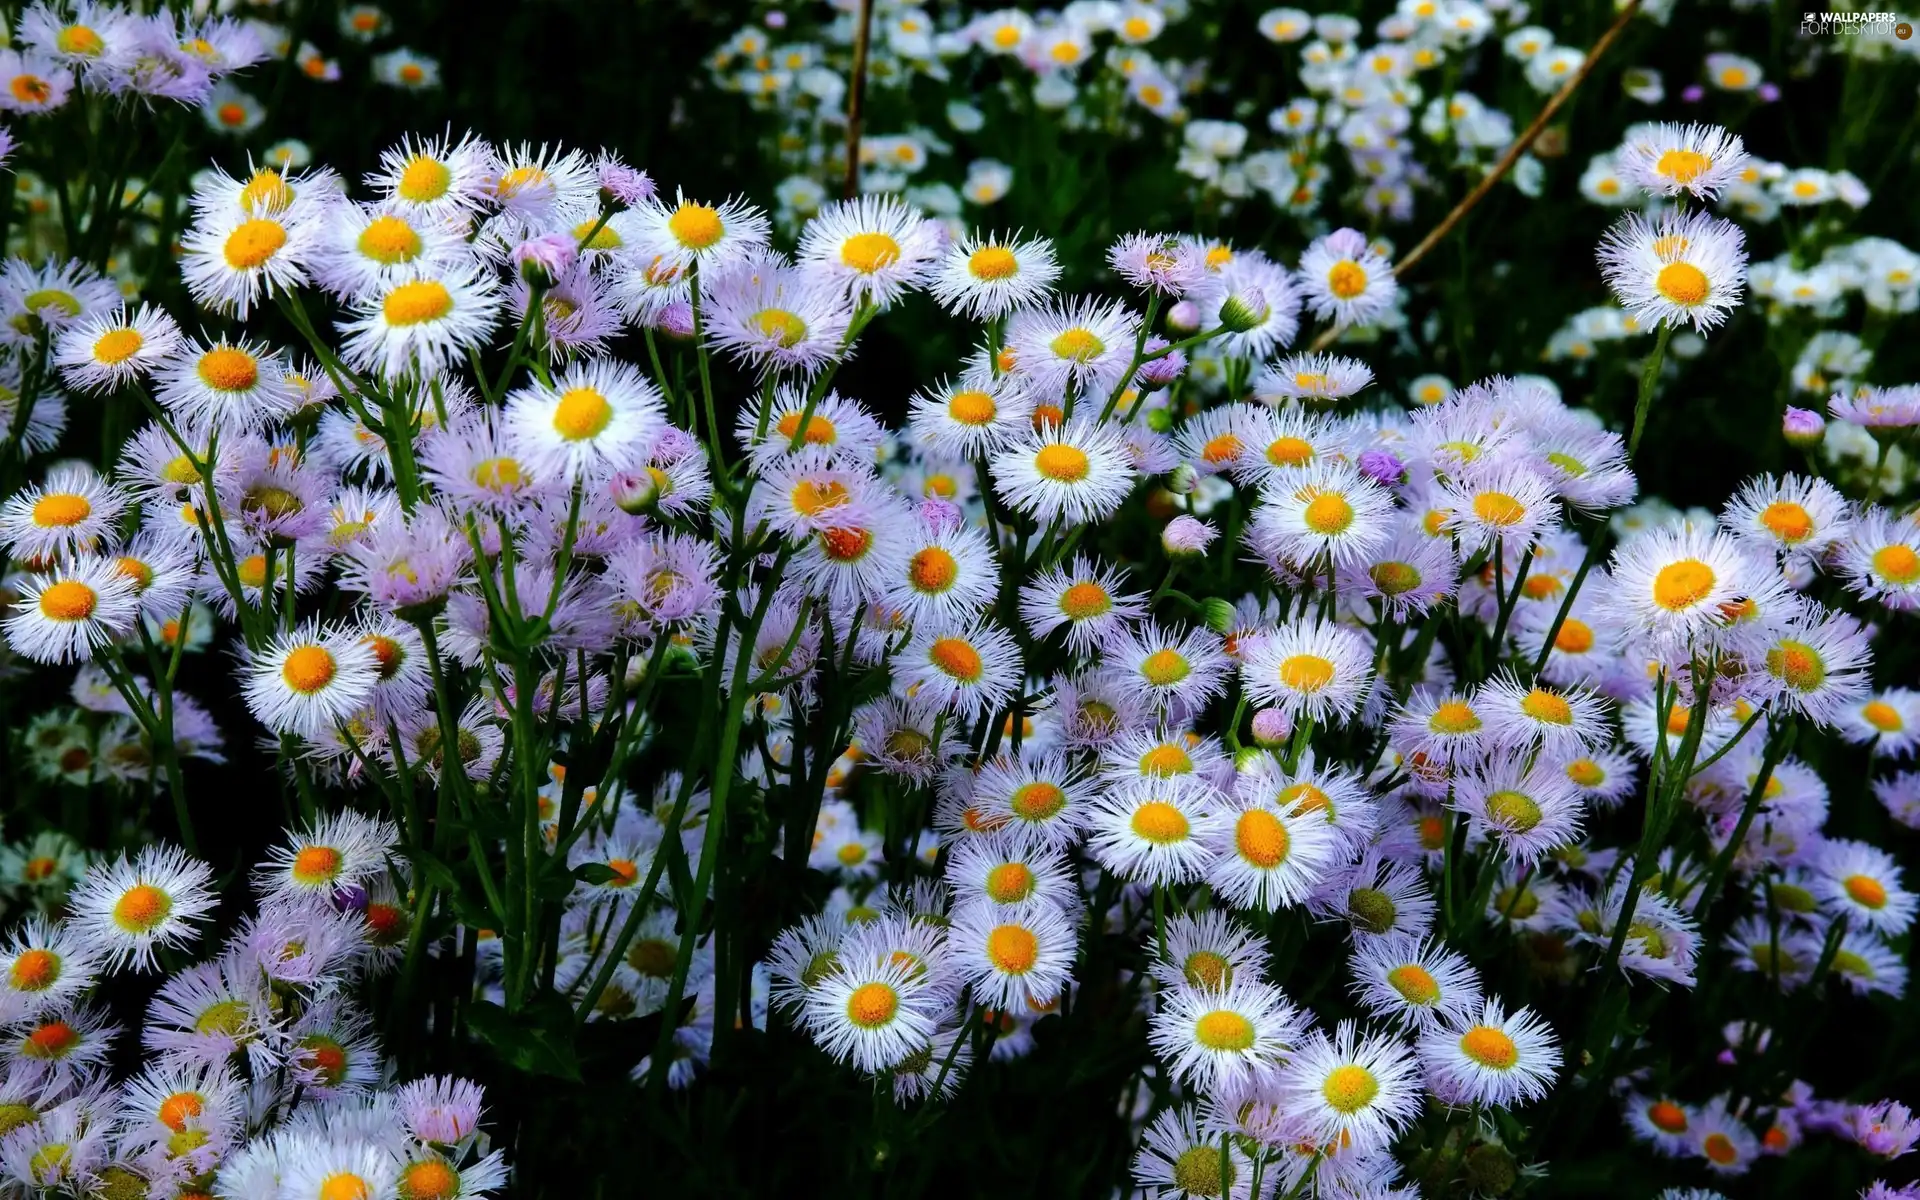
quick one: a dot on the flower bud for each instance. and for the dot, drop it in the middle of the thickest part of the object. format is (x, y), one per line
(1184, 317)
(1383, 467)
(1183, 479)
(1186, 537)
(1491, 1170)
(543, 260)
(1803, 427)
(1217, 613)
(638, 492)
(1249, 758)
(1272, 727)
(1242, 311)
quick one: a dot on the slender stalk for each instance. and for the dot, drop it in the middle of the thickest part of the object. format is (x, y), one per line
(1649, 376)
(857, 96)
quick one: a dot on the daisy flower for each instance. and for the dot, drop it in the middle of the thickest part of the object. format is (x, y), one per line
(785, 427)
(44, 966)
(595, 418)
(128, 908)
(1681, 270)
(34, 83)
(1014, 955)
(231, 385)
(859, 555)
(424, 324)
(1076, 473)
(1220, 1036)
(102, 352)
(1880, 560)
(235, 257)
(1413, 982)
(1723, 1140)
(1377, 897)
(983, 276)
(1818, 663)
(322, 1168)
(1179, 669)
(1889, 719)
(1085, 598)
(435, 175)
(947, 574)
(1863, 883)
(71, 512)
(1008, 867)
(308, 681)
(971, 667)
(876, 248)
(1282, 443)
(1180, 1157)
(1660, 1120)
(1676, 585)
(1491, 1057)
(1084, 344)
(1154, 831)
(1667, 159)
(1601, 777)
(1155, 262)
(1791, 515)
(1212, 441)
(1326, 513)
(970, 415)
(871, 1013)
(1352, 1087)
(1160, 754)
(1439, 726)
(1268, 854)
(79, 607)
(1312, 669)
(1343, 279)
(1208, 953)
(341, 851)
(1520, 717)
(773, 318)
(1529, 809)
(1509, 504)
(1313, 377)
(366, 246)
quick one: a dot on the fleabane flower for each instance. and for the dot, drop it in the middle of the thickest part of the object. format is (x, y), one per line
(1313, 377)
(1414, 982)
(1212, 1037)
(983, 276)
(1154, 830)
(596, 418)
(1679, 270)
(1254, 300)
(1667, 159)
(1155, 262)
(1012, 956)
(1309, 668)
(67, 614)
(310, 680)
(1792, 515)
(1491, 1057)
(1074, 474)
(971, 667)
(1817, 662)
(1863, 883)
(872, 1014)
(233, 385)
(1323, 516)
(1528, 810)
(773, 318)
(1880, 560)
(435, 175)
(1268, 854)
(423, 324)
(1082, 343)
(1343, 279)
(875, 247)
(1351, 1087)
(1085, 598)
(1680, 586)
(104, 351)
(1176, 669)
(234, 258)
(73, 510)
(129, 908)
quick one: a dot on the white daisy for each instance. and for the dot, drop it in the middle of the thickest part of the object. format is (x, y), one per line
(595, 418)
(1491, 1057)
(1683, 270)
(1076, 473)
(1155, 831)
(985, 276)
(127, 909)
(1350, 1087)
(876, 247)
(1215, 1037)
(67, 614)
(308, 681)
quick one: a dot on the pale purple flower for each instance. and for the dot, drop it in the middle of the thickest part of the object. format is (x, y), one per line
(1271, 726)
(1185, 536)
(1887, 1129)
(1383, 467)
(627, 185)
(1160, 372)
(440, 1109)
(675, 320)
(542, 260)
(941, 515)
(402, 566)
(1803, 427)
(1184, 317)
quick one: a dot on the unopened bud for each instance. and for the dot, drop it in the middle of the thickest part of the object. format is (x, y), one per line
(639, 492)
(1184, 317)
(1183, 479)
(1242, 311)
(1186, 537)
(1218, 614)
(1804, 428)
(1272, 727)
(1491, 1170)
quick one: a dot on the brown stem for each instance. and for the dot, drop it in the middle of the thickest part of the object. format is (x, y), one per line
(1520, 146)
(857, 95)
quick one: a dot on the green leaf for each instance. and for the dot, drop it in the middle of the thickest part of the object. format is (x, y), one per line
(539, 1039)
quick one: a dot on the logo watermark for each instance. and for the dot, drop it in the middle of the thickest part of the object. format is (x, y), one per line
(1854, 24)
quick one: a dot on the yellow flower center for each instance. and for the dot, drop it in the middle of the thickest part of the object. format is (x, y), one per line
(1306, 673)
(1788, 521)
(1062, 463)
(424, 180)
(228, 369)
(1350, 1088)
(1197, 1172)
(1037, 801)
(696, 226)
(253, 243)
(783, 327)
(957, 658)
(1682, 166)
(1166, 759)
(1346, 279)
(1415, 984)
(418, 302)
(993, 262)
(1206, 969)
(1896, 564)
(141, 908)
(389, 240)
(1515, 812)
(67, 600)
(117, 346)
(1866, 891)
(57, 510)
(308, 669)
(429, 1179)
(1682, 283)
(582, 414)
(1223, 1029)
(1010, 883)
(1797, 663)
(1498, 508)
(1394, 578)
(933, 570)
(1882, 716)
(1586, 773)
(1683, 585)
(1490, 1047)
(1547, 707)
(79, 39)
(1164, 668)
(872, 1005)
(1575, 636)
(869, 252)
(1289, 452)
(344, 1186)
(1078, 345)
(1160, 823)
(1454, 717)
(1328, 514)
(1013, 949)
(1085, 600)
(1261, 839)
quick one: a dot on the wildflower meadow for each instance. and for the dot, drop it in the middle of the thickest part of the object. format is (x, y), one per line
(1146, 598)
